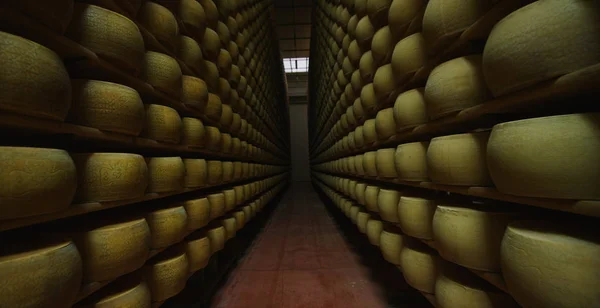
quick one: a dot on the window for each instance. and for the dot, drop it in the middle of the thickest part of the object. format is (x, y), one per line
(295, 65)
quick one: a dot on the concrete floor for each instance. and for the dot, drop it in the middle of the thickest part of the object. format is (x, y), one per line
(309, 255)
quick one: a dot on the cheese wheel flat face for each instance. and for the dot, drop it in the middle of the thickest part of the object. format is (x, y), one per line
(402, 12)
(385, 163)
(416, 216)
(166, 174)
(196, 172)
(35, 181)
(167, 226)
(190, 53)
(459, 160)
(216, 234)
(419, 266)
(548, 157)
(107, 106)
(111, 249)
(411, 161)
(129, 291)
(551, 264)
(391, 243)
(110, 176)
(162, 124)
(198, 251)
(387, 204)
(409, 55)
(163, 73)
(167, 273)
(540, 41)
(198, 213)
(55, 14)
(455, 85)
(159, 21)
(410, 109)
(120, 43)
(35, 81)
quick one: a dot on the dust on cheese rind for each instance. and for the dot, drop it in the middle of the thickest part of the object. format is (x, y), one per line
(167, 225)
(166, 174)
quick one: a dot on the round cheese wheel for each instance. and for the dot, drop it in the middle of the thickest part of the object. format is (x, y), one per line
(248, 212)
(190, 13)
(368, 99)
(370, 163)
(385, 85)
(351, 164)
(411, 161)
(419, 265)
(382, 45)
(409, 55)
(359, 164)
(549, 157)
(230, 226)
(459, 159)
(198, 251)
(194, 92)
(160, 22)
(214, 107)
(55, 14)
(167, 225)
(458, 287)
(129, 291)
(401, 13)
(107, 106)
(216, 233)
(190, 53)
(226, 116)
(237, 173)
(410, 109)
(387, 204)
(226, 143)
(229, 199)
(552, 40)
(217, 205)
(362, 218)
(378, 11)
(416, 216)
(359, 192)
(354, 53)
(212, 137)
(391, 243)
(162, 124)
(370, 132)
(354, 213)
(198, 213)
(359, 112)
(455, 85)
(166, 174)
(227, 171)
(210, 74)
(212, 14)
(121, 43)
(240, 219)
(163, 73)
(196, 172)
(110, 249)
(215, 172)
(35, 81)
(551, 264)
(211, 44)
(35, 181)
(385, 163)
(364, 32)
(110, 176)
(373, 229)
(385, 124)
(39, 274)
(359, 137)
(167, 273)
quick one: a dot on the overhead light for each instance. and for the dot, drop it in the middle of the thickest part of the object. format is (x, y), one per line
(295, 65)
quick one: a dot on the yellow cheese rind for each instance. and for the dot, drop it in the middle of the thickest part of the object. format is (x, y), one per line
(215, 172)
(162, 124)
(167, 273)
(35, 181)
(548, 157)
(387, 204)
(409, 55)
(167, 226)
(110, 176)
(193, 132)
(362, 218)
(411, 161)
(370, 163)
(385, 84)
(386, 163)
(198, 213)
(194, 92)
(163, 73)
(374, 228)
(216, 234)
(391, 243)
(402, 12)
(129, 291)
(159, 21)
(230, 226)
(416, 216)
(385, 124)
(410, 109)
(419, 266)
(166, 174)
(190, 53)
(196, 172)
(240, 219)
(217, 205)
(198, 251)
(43, 89)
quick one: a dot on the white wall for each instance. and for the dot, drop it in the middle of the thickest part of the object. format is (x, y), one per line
(299, 142)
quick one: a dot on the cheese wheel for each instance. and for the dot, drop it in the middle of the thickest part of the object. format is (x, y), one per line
(361, 221)
(107, 106)
(129, 291)
(214, 107)
(230, 226)
(458, 287)
(167, 225)
(35, 181)
(354, 213)
(237, 170)
(226, 116)
(385, 163)
(387, 204)
(385, 124)
(110, 176)
(216, 234)
(226, 143)
(211, 44)
(391, 243)
(167, 273)
(166, 174)
(359, 165)
(551, 264)
(416, 216)
(385, 84)
(549, 157)
(368, 99)
(210, 74)
(39, 274)
(160, 22)
(359, 192)
(459, 160)
(55, 14)
(370, 132)
(374, 228)
(411, 161)
(194, 92)
(248, 212)
(43, 89)
(370, 163)
(229, 199)
(198, 251)
(217, 205)
(215, 172)
(189, 13)
(227, 171)
(198, 213)
(552, 40)
(378, 11)
(445, 20)
(382, 45)
(110, 249)
(364, 32)
(190, 53)
(409, 55)
(359, 137)
(419, 265)
(163, 73)
(193, 132)
(240, 219)
(401, 13)
(455, 85)
(410, 109)
(212, 137)
(196, 172)
(359, 112)
(162, 124)
(121, 43)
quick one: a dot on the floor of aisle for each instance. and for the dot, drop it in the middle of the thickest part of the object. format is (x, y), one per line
(311, 256)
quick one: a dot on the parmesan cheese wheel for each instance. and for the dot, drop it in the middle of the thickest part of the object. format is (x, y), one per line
(368, 99)
(385, 124)
(374, 229)
(359, 192)
(226, 143)
(39, 274)
(43, 89)
(163, 73)
(237, 172)
(459, 159)
(385, 84)
(214, 107)
(378, 11)
(419, 266)
(359, 165)
(190, 53)
(35, 181)
(229, 199)
(370, 163)
(364, 32)
(110, 249)
(538, 42)
(160, 22)
(455, 85)
(190, 13)
(216, 233)
(110, 176)
(212, 14)
(361, 221)
(198, 251)
(129, 291)
(230, 226)
(240, 219)
(387, 204)
(107, 106)
(549, 157)
(167, 273)
(215, 172)
(193, 132)
(551, 264)
(210, 74)
(248, 212)
(211, 44)
(382, 45)
(385, 163)
(212, 137)
(401, 13)
(411, 161)
(409, 55)
(354, 53)
(457, 287)
(167, 225)
(354, 213)
(410, 109)
(416, 216)
(196, 172)
(217, 205)
(391, 243)
(359, 112)
(470, 235)
(121, 43)
(194, 92)
(359, 139)
(370, 132)
(227, 171)
(55, 14)
(162, 124)
(226, 116)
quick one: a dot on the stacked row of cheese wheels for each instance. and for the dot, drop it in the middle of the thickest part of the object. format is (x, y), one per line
(387, 70)
(439, 243)
(154, 249)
